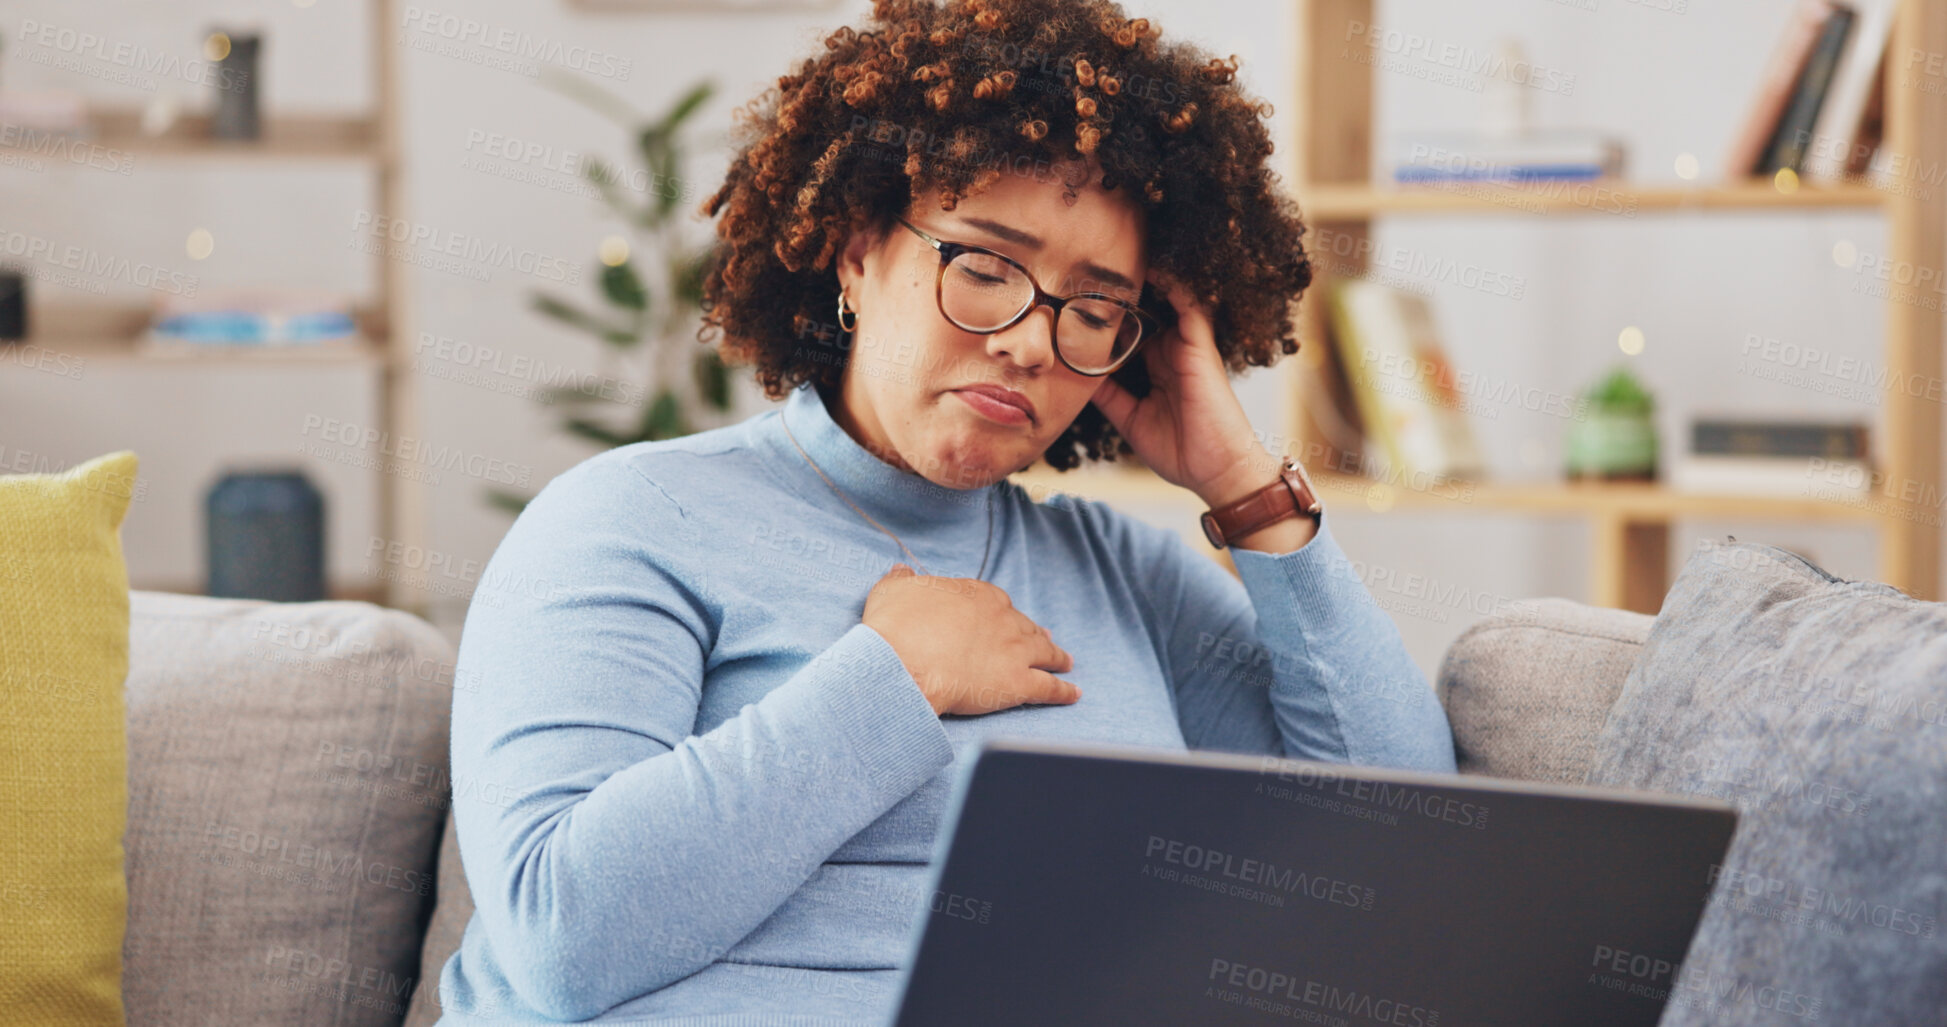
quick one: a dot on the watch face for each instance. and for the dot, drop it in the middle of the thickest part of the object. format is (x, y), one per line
(1301, 486)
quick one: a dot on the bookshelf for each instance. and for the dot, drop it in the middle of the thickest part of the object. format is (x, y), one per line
(1330, 172)
(113, 333)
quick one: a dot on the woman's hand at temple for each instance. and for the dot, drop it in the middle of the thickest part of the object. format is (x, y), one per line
(965, 644)
(1191, 429)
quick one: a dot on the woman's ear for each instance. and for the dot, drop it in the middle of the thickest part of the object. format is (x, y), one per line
(861, 240)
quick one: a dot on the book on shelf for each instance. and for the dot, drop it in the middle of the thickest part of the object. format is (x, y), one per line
(1843, 124)
(1775, 88)
(1793, 135)
(1837, 440)
(1523, 157)
(1786, 459)
(26, 115)
(1772, 476)
(266, 318)
(1401, 382)
(1867, 159)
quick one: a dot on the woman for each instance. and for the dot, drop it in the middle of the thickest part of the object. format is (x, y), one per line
(726, 728)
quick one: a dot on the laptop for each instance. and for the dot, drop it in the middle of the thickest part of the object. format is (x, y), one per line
(1084, 884)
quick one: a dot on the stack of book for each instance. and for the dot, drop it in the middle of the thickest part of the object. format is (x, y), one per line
(1405, 390)
(1816, 108)
(1789, 459)
(260, 318)
(1524, 157)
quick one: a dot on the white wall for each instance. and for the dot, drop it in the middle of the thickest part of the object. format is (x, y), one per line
(1666, 82)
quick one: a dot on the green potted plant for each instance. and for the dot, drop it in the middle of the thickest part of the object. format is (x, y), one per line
(651, 288)
(1617, 440)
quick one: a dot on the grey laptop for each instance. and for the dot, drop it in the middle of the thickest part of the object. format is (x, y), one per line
(1092, 884)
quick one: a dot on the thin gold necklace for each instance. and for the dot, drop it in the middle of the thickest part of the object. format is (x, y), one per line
(848, 502)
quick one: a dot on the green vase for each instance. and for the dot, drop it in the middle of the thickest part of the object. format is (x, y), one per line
(1612, 445)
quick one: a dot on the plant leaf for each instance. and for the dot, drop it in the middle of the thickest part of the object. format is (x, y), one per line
(712, 379)
(607, 179)
(570, 314)
(596, 432)
(574, 395)
(623, 287)
(688, 281)
(590, 95)
(686, 106)
(664, 418)
(511, 502)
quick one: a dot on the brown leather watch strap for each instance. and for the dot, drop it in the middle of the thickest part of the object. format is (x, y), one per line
(1289, 496)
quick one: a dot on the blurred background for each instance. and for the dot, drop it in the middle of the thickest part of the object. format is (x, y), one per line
(353, 279)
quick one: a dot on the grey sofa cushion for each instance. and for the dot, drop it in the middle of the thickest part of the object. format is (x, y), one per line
(450, 916)
(287, 771)
(1528, 689)
(1819, 708)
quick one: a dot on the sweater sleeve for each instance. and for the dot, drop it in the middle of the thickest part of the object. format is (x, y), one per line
(1296, 659)
(610, 851)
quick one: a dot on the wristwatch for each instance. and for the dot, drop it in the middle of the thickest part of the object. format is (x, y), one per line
(1289, 496)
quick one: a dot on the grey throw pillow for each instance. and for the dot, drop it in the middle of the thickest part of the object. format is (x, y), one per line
(1818, 707)
(287, 785)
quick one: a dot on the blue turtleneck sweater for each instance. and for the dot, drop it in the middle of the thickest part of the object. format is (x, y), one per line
(692, 787)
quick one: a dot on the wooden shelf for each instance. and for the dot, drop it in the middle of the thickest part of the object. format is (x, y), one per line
(1632, 501)
(109, 332)
(1330, 168)
(1628, 501)
(1322, 202)
(298, 137)
(367, 142)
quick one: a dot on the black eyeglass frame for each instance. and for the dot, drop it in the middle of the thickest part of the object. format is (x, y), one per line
(949, 251)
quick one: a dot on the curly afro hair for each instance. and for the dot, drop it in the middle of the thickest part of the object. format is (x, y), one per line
(948, 97)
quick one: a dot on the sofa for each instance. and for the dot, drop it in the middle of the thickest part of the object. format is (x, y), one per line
(291, 859)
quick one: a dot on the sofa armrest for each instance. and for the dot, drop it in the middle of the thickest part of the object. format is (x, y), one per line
(1528, 690)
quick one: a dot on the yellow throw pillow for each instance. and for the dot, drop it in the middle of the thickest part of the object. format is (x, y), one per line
(63, 742)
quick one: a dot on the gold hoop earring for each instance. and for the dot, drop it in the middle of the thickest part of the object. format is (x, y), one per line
(845, 308)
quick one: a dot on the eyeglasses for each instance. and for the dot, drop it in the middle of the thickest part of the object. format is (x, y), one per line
(985, 292)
